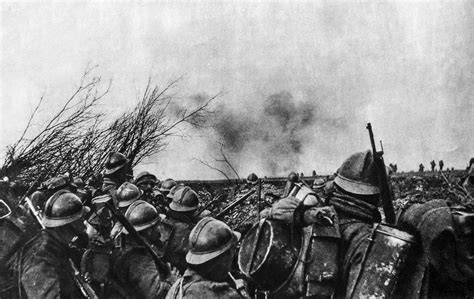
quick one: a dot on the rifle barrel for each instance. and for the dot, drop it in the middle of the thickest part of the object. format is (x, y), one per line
(132, 231)
(385, 192)
(236, 202)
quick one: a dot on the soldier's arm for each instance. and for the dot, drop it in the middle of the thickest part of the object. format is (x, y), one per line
(433, 223)
(146, 278)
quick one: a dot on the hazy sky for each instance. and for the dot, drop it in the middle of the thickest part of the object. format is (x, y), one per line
(406, 67)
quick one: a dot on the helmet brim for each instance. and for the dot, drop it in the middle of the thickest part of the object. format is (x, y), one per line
(114, 169)
(142, 226)
(61, 221)
(356, 187)
(179, 208)
(126, 203)
(200, 258)
(145, 181)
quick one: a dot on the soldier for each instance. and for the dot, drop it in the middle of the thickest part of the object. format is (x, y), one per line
(421, 168)
(471, 162)
(319, 185)
(369, 264)
(45, 268)
(213, 246)
(49, 187)
(134, 268)
(127, 194)
(166, 186)
(433, 165)
(468, 183)
(440, 257)
(173, 190)
(181, 216)
(84, 194)
(252, 179)
(117, 171)
(146, 182)
(441, 165)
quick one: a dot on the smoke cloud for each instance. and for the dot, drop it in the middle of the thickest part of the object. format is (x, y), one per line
(300, 80)
(274, 135)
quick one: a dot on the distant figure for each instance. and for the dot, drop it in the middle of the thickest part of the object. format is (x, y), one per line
(433, 165)
(470, 163)
(314, 173)
(393, 167)
(252, 179)
(421, 168)
(301, 175)
(441, 165)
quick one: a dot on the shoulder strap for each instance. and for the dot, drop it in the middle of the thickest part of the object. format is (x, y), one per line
(180, 292)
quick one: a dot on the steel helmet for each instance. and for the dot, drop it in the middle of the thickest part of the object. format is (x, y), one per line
(358, 175)
(77, 181)
(62, 208)
(167, 185)
(184, 200)
(252, 179)
(145, 177)
(209, 239)
(141, 215)
(319, 183)
(127, 193)
(293, 177)
(115, 162)
(56, 183)
(173, 190)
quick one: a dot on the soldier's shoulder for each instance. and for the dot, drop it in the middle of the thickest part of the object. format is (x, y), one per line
(179, 225)
(129, 256)
(41, 243)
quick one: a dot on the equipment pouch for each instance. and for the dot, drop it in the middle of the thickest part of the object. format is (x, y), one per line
(322, 260)
(383, 262)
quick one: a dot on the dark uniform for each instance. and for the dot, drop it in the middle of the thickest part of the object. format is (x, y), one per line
(212, 249)
(44, 265)
(437, 257)
(45, 270)
(181, 217)
(193, 285)
(178, 243)
(136, 271)
(440, 263)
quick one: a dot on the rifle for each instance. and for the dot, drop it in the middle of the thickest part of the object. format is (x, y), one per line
(209, 204)
(259, 191)
(385, 192)
(235, 203)
(455, 187)
(36, 213)
(162, 267)
(82, 284)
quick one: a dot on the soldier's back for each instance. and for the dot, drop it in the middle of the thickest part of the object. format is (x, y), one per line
(178, 244)
(137, 273)
(45, 270)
